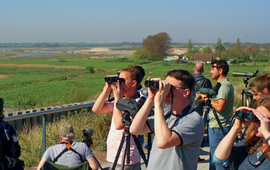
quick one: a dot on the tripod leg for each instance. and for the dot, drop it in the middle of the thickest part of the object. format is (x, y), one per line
(124, 155)
(118, 152)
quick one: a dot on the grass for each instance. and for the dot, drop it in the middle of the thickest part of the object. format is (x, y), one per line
(31, 154)
(28, 88)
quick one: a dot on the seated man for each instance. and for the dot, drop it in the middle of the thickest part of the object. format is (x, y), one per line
(77, 154)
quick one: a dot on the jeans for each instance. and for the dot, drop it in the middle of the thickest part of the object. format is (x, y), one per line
(215, 136)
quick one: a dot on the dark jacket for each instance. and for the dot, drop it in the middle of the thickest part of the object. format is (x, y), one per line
(9, 148)
(200, 81)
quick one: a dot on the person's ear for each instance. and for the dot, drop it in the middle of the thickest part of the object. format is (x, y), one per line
(220, 70)
(186, 92)
(266, 91)
(134, 83)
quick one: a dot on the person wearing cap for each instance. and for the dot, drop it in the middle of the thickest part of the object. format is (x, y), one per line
(69, 158)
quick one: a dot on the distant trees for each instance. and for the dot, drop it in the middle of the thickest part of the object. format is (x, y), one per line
(238, 45)
(157, 45)
(140, 54)
(219, 48)
(207, 50)
(189, 48)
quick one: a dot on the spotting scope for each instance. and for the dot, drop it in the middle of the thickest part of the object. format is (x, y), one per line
(245, 74)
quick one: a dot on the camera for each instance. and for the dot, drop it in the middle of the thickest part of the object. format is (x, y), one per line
(114, 79)
(130, 106)
(151, 84)
(248, 116)
(246, 74)
(87, 134)
(209, 91)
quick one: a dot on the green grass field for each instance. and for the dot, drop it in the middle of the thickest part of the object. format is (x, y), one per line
(29, 87)
(26, 88)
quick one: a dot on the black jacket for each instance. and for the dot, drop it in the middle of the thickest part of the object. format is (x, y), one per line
(200, 81)
(9, 148)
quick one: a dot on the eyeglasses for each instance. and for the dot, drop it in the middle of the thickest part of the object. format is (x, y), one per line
(214, 66)
(178, 87)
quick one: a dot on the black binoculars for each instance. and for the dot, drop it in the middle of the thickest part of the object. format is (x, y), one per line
(248, 116)
(114, 79)
(151, 84)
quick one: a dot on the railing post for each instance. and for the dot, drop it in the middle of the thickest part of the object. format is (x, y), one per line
(43, 134)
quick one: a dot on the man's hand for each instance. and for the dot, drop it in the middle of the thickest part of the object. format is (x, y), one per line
(201, 97)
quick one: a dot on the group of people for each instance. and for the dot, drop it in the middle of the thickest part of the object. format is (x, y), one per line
(177, 123)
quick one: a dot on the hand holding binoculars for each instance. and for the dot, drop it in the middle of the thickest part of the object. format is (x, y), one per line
(246, 115)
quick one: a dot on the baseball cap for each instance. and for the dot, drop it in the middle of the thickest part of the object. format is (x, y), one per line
(65, 129)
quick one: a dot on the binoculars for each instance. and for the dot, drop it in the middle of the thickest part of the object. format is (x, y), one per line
(114, 79)
(248, 116)
(151, 84)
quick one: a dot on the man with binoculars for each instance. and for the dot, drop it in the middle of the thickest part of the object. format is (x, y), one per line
(223, 105)
(128, 83)
(179, 130)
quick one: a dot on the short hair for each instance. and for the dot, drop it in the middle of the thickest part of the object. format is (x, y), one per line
(199, 69)
(66, 132)
(136, 73)
(260, 82)
(186, 78)
(221, 64)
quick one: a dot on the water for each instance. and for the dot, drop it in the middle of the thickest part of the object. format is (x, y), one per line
(27, 54)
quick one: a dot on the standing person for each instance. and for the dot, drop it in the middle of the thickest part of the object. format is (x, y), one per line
(179, 130)
(200, 81)
(252, 152)
(222, 103)
(68, 153)
(10, 149)
(127, 89)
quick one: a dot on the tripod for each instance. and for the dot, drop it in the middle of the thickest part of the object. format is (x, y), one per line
(206, 110)
(126, 139)
(246, 97)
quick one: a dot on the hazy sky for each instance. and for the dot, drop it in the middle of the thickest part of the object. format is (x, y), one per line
(108, 21)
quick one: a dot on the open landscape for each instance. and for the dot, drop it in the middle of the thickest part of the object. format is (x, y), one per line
(71, 76)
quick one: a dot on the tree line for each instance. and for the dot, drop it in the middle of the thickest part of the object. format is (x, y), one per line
(159, 46)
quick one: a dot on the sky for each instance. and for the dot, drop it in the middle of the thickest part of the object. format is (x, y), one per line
(113, 21)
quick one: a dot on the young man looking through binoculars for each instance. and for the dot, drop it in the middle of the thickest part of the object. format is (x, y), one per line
(179, 130)
(127, 89)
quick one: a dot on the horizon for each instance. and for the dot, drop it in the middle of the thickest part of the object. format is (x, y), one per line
(31, 21)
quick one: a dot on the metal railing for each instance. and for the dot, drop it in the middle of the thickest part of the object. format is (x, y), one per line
(43, 114)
